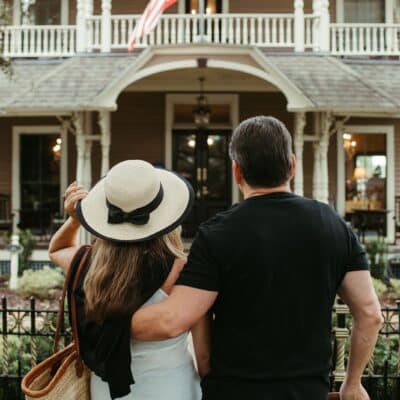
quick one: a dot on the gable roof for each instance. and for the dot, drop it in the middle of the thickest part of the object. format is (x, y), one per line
(330, 84)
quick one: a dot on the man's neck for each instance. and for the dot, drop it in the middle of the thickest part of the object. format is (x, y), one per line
(253, 192)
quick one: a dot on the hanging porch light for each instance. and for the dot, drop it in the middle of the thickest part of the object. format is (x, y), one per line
(202, 112)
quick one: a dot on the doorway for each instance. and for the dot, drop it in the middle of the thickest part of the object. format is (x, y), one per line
(201, 156)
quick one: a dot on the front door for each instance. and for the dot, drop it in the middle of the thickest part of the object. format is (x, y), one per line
(201, 156)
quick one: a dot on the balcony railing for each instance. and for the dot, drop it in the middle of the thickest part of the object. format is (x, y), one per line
(365, 39)
(264, 30)
(271, 31)
(39, 41)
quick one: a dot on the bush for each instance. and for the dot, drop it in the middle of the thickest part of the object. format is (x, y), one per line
(377, 253)
(40, 283)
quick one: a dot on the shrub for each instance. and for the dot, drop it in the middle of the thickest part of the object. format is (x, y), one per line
(377, 253)
(39, 283)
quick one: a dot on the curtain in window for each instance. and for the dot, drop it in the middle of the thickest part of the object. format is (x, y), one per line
(366, 11)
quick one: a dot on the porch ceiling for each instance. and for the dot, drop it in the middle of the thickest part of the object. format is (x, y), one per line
(83, 82)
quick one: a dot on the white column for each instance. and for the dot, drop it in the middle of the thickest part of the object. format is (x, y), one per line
(300, 122)
(80, 146)
(316, 171)
(80, 26)
(105, 127)
(105, 26)
(299, 25)
(324, 26)
(14, 262)
(87, 163)
(326, 122)
(316, 9)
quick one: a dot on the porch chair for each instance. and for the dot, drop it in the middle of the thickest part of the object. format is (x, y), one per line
(5, 213)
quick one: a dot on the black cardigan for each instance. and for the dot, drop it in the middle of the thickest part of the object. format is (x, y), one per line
(105, 348)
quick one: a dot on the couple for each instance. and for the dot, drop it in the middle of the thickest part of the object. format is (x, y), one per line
(256, 291)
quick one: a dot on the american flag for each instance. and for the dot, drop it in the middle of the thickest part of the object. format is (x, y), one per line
(149, 19)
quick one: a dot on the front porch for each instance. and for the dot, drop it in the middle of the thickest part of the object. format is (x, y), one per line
(94, 111)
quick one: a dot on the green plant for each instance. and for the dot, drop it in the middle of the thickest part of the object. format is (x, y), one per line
(377, 253)
(40, 283)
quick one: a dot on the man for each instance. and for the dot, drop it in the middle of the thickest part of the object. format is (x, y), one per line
(270, 268)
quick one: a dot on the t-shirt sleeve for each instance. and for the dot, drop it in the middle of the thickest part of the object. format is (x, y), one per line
(357, 259)
(201, 270)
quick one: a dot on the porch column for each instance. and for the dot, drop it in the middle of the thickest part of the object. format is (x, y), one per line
(300, 122)
(316, 171)
(326, 122)
(105, 127)
(316, 10)
(87, 164)
(80, 146)
(89, 27)
(80, 26)
(324, 44)
(299, 25)
(105, 26)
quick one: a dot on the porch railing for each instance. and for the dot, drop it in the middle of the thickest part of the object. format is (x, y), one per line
(365, 39)
(39, 40)
(264, 30)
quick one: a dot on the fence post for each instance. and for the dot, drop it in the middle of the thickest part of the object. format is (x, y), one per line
(4, 338)
(14, 261)
(341, 335)
(325, 26)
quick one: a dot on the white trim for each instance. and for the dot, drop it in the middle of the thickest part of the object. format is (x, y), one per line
(388, 130)
(265, 70)
(389, 11)
(190, 98)
(19, 130)
(225, 6)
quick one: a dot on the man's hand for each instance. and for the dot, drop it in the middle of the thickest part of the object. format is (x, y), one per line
(353, 392)
(73, 194)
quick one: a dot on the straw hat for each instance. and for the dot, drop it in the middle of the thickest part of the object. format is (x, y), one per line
(135, 202)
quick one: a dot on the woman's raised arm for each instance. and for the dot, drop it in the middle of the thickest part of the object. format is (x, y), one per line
(64, 243)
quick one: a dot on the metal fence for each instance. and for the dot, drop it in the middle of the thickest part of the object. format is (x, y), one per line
(26, 338)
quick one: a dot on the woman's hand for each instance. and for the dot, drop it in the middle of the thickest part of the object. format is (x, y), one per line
(73, 194)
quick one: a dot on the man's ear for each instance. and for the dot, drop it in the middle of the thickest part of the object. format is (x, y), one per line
(293, 167)
(237, 173)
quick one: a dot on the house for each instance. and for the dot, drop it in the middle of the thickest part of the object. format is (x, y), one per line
(77, 101)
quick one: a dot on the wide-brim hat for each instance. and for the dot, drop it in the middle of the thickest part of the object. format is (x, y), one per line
(136, 202)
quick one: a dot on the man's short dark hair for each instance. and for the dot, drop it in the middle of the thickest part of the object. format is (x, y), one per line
(262, 146)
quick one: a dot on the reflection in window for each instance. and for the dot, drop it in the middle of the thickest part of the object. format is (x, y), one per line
(41, 12)
(211, 6)
(40, 181)
(364, 11)
(366, 171)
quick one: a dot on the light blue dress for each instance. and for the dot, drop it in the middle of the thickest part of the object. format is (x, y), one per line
(162, 370)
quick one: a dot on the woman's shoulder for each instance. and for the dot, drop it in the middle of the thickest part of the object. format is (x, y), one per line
(173, 276)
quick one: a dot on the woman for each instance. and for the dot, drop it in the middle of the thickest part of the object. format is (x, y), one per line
(134, 213)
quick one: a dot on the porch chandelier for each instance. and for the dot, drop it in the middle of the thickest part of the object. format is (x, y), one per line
(202, 112)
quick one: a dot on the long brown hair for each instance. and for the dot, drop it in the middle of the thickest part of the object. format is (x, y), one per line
(114, 281)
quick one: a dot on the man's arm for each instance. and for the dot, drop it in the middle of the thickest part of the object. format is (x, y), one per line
(170, 318)
(358, 293)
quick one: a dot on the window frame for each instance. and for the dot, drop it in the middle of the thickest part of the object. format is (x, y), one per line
(389, 11)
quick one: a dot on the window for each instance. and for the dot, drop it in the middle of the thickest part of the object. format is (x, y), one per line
(39, 181)
(41, 12)
(364, 11)
(211, 6)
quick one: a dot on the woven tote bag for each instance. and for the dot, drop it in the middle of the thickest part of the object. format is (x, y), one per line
(62, 376)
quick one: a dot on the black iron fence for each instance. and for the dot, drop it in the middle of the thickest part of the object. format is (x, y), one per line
(26, 338)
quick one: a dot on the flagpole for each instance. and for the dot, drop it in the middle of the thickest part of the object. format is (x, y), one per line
(202, 20)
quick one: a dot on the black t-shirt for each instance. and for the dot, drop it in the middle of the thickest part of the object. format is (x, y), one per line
(276, 262)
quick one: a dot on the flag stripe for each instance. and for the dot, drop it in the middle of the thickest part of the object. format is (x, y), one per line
(149, 19)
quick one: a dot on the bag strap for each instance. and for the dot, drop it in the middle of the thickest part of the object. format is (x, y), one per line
(60, 316)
